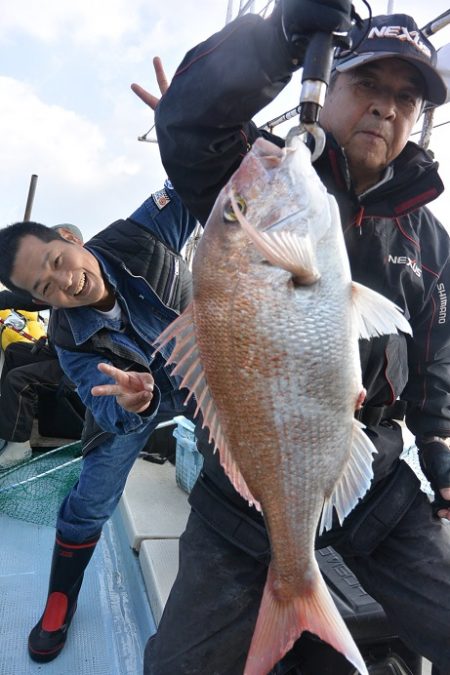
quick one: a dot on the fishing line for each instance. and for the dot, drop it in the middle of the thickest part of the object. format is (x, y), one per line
(435, 126)
(340, 51)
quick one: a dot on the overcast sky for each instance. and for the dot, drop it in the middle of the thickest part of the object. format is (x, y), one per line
(68, 115)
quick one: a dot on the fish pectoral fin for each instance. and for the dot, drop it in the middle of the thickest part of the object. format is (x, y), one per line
(292, 253)
(376, 315)
(354, 481)
(284, 249)
(281, 622)
(186, 356)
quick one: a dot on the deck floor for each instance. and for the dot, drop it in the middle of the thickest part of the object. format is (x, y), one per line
(113, 619)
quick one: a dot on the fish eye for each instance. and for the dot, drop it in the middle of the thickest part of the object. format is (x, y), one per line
(228, 211)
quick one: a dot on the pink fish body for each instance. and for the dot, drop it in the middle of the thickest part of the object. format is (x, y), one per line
(269, 347)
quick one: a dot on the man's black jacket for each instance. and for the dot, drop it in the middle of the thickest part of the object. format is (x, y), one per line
(395, 245)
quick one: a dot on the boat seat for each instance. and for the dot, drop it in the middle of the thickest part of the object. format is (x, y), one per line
(154, 512)
(159, 565)
(152, 505)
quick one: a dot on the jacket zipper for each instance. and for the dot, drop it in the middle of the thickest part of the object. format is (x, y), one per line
(173, 281)
(138, 276)
(358, 219)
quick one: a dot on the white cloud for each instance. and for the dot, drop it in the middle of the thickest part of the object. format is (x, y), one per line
(82, 21)
(67, 112)
(48, 137)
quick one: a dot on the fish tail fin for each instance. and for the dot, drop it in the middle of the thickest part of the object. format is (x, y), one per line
(281, 622)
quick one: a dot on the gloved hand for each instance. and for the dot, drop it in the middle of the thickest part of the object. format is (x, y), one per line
(434, 456)
(304, 17)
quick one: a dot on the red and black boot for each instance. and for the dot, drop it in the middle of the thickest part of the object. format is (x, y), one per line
(69, 561)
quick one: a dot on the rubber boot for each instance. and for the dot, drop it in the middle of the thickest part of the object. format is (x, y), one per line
(69, 561)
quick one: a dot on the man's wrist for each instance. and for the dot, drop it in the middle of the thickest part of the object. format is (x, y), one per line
(434, 456)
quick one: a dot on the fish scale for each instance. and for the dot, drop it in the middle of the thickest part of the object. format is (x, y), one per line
(269, 348)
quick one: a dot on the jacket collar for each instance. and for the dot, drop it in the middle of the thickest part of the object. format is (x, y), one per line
(414, 183)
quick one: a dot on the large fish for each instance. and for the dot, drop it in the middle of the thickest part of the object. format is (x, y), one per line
(269, 348)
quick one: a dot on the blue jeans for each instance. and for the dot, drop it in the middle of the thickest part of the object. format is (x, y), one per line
(105, 469)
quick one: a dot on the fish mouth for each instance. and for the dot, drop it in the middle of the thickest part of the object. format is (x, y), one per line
(283, 221)
(81, 284)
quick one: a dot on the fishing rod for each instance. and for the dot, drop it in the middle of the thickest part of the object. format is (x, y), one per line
(428, 119)
(431, 28)
(437, 24)
(144, 136)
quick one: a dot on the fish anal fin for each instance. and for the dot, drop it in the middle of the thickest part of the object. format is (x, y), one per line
(354, 481)
(186, 356)
(281, 622)
(376, 315)
(283, 249)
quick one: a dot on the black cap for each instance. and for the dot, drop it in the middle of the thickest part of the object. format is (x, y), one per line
(394, 36)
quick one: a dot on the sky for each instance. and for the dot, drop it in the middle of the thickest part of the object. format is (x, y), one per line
(68, 115)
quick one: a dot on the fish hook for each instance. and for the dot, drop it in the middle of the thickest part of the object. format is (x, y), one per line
(315, 131)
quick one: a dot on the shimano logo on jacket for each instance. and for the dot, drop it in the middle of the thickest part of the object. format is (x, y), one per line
(443, 303)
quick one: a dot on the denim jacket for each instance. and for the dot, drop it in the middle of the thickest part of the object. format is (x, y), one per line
(140, 259)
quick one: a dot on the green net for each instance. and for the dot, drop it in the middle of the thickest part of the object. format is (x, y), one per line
(34, 490)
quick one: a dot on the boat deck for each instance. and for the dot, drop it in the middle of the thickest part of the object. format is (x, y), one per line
(126, 584)
(114, 617)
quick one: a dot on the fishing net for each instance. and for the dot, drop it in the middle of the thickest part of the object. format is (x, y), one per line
(34, 490)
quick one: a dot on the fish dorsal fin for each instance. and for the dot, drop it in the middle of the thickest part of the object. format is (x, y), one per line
(376, 315)
(188, 366)
(284, 249)
(354, 481)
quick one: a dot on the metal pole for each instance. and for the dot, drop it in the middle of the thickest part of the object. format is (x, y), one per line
(427, 128)
(31, 191)
(229, 11)
(390, 7)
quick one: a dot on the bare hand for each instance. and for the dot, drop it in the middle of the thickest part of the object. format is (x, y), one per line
(133, 390)
(163, 84)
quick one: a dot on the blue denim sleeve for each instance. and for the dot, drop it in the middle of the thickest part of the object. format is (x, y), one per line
(81, 369)
(164, 214)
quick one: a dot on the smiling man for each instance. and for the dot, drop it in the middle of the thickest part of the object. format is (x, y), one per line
(393, 541)
(111, 298)
(27, 369)
(59, 273)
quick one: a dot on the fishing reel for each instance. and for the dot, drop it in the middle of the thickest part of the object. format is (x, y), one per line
(317, 64)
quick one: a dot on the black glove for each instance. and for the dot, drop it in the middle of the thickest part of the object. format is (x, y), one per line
(434, 457)
(304, 17)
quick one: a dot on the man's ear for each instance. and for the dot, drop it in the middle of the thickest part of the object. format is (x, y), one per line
(69, 236)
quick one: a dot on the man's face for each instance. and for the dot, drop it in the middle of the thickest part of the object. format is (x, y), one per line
(60, 273)
(371, 111)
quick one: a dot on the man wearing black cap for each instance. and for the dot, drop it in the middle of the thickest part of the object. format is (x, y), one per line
(394, 540)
